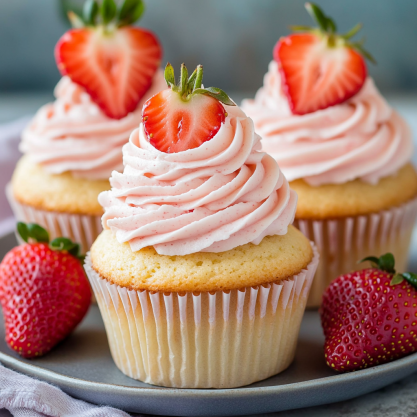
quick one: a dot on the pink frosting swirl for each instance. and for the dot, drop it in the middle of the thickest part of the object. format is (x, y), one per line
(361, 138)
(213, 198)
(73, 134)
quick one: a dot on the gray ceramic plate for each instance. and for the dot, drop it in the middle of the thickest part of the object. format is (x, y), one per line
(82, 367)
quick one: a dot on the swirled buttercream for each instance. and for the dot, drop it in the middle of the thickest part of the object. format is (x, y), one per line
(73, 134)
(213, 198)
(360, 138)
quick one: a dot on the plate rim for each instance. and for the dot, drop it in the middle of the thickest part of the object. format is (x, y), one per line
(38, 371)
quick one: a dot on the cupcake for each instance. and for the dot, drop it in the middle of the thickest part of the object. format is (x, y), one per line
(73, 144)
(343, 149)
(200, 278)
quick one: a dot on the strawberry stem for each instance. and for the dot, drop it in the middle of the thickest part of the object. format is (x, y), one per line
(191, 86)
(328, 29)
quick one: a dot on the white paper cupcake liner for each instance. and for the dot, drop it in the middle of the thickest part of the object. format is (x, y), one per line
(343, 242)
(81, 228)
(220, 339)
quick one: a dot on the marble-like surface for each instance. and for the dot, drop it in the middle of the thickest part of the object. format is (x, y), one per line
(397, 400)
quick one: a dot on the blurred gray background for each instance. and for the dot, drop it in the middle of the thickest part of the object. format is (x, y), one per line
(233, 39)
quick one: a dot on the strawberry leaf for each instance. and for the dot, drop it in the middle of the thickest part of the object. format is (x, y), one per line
(387, 263)
(184, 78)
(216, 93)
(411, 278)
(130, 12)
(37, 233)
(169, 75)
(328, 29)
(90, 11)
(317, 14)
(108, 11)
(298, 28)
(199, 78)
(76, 21)
(191, 81)
(373, 259)
(397, 279)
(352, 32)
(359, 46)
(23, 231)
(65, 244)
(190, 86)
(331, 25)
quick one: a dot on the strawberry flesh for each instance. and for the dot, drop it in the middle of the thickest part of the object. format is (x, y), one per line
(44, 295)
(315, 76)
(367, 321)
(116, 69)
(175, 125)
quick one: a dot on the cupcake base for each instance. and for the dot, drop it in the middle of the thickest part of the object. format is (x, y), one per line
(219, 339)
(81, 228)
(345, 241)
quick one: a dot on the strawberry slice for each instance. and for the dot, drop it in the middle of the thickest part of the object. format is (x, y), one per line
(183, 117)
(114, 63)
(320, 68)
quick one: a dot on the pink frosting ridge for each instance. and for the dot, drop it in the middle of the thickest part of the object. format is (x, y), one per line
(213, 198)
(360, 138)
(73, 134)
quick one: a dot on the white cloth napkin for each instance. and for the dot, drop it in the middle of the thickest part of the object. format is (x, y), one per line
(28, 397)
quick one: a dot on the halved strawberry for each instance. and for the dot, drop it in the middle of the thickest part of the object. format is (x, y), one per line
(114, 63)
(185, 116)
(320, 68)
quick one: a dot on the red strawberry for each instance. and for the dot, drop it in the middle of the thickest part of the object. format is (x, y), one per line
(320, 68)
(45, 293)
(114, 64)
(184, 116)
(369, 317)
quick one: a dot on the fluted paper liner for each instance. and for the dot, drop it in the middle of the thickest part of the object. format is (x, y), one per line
(219, 339)
(343, 242)
(80, 228)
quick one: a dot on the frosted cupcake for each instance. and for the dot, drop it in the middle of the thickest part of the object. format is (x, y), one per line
(342, 147)
(200, 279)
(73, 144)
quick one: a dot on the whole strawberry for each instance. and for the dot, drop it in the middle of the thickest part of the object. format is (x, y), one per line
(369, 317)
(43, 291)
(320, 68)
